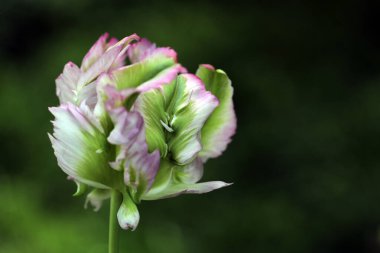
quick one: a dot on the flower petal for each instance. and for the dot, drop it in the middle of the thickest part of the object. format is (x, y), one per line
(140, 50)
(189, 108)
(143, 49)
(175, 114)
(177, 189)
(221, 125)
(155, 139)
(81, 147)
(66, 83)
(163, 178)
(95, 52)
(88, 95)
(146, 65)
(164, 77)
(98, 49)
(76, 85)
(149, 74)
(151, 105)
(140, 166)
(128, 214)
(105, 61)
(173, 180)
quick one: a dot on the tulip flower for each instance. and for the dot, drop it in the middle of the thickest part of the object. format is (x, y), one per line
(133, 125)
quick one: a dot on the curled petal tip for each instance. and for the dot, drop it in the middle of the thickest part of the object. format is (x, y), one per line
(183, 188)
(226, 184)
(208, 66)
(134, 35)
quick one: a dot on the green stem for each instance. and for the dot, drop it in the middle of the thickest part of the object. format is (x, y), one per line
(113, 237)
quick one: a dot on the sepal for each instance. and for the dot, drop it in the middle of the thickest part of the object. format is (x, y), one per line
(81, 189)
(96, 197)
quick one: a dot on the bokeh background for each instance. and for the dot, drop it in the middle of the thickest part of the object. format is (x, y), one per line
(305, 161)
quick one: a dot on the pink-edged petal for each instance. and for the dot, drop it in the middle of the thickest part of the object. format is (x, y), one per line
(95, 52)
(147, 62)
(221, 125)
(120, 59)
(143, 49)
(189, 111)
(164, 77)
(112, 42)
(76, 85)
(174, 115)
(106, 60)
(66, 83)
(136, 74)
(138, 51)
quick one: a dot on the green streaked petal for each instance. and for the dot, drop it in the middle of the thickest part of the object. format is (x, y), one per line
(173, 180)
(151, 105)
(189, 108)
(175, 114)
(221, 125)
(133, 75)
(81, 146)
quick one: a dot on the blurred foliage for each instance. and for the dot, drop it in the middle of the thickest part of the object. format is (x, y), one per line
(304, 162)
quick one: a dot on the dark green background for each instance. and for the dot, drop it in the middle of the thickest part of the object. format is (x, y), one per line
(304, 162)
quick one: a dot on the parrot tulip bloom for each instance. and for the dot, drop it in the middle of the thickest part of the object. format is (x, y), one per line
(143, 128)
